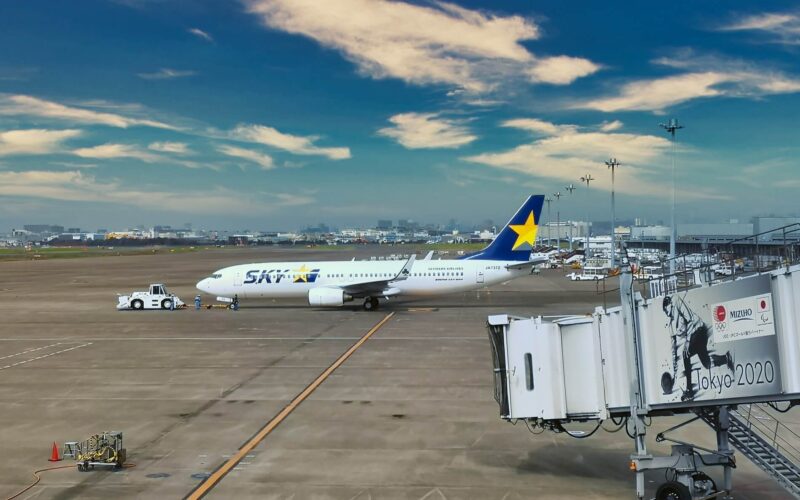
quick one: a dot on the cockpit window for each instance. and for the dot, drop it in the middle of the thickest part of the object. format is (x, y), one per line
(216, 276)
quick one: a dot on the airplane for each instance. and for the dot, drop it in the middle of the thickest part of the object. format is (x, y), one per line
(333, 283)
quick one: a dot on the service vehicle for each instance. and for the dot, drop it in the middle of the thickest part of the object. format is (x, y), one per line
(588, 274)
(156, 297)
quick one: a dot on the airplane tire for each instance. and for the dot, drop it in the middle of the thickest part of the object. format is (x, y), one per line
(370, 304)
(137, 304)
(375, 302)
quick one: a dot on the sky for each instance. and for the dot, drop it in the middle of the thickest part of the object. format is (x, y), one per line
(276, 114)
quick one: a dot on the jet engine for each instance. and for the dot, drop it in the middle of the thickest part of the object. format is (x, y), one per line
(328, 297)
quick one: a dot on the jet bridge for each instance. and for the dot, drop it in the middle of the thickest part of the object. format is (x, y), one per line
(707, 351)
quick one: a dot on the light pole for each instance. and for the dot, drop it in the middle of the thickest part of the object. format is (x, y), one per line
(672, 126)
(549, 220)
(570, 188)
(558, 222)
(587, 179)
(613, 164)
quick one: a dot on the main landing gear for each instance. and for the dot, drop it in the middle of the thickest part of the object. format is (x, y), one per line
(371, 303)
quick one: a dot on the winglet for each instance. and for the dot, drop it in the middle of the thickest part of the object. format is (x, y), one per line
(406, 271)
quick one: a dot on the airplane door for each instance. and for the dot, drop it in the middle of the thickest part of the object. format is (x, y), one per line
(479, 276)
(237, 279)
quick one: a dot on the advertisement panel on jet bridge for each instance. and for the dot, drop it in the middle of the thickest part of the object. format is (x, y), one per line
(711, 344)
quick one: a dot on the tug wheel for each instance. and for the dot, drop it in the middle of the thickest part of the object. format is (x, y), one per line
(137, 304)
(673, 490)
(166, 303)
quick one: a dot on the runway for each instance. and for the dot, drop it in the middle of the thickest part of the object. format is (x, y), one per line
(408, 414)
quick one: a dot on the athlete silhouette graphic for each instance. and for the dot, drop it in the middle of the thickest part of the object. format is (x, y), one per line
(689, 331)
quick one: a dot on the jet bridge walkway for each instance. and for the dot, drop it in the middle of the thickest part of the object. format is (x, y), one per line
(727, 352)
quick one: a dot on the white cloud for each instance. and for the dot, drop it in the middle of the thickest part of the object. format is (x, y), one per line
(201, 34)
(659, 93)
(704, 77)
(293, 200)
(561, 70)
(539, 126)
(435, 43)
(112, 151)
(483, 103)
(570, 153)
(262, 159)
(76, 186)
(167, 74)
(24, 105)
(426, 131)
(610, 126)
(180, 148)
(34, 141)
(74, 164)
(292, 143)
(784, 28)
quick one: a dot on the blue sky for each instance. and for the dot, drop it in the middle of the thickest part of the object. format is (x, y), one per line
(269, 114)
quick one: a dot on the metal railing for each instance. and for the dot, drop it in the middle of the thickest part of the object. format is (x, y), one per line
(723, 262)
(762, 422)
(789, 237)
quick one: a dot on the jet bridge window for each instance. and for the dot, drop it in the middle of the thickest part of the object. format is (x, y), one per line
(528, 371)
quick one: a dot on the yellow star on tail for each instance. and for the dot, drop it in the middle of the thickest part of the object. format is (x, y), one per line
(302, 274)
(526, 233)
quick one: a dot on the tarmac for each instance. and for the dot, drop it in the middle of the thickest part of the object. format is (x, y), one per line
(409, 414)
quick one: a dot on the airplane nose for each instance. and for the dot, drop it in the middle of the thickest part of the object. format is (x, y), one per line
(203, 285)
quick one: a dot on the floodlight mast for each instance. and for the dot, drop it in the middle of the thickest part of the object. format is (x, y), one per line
(586, 179)
(549, 220)
(672, 126)
(570, 188)
(558, 222)
(613, 164)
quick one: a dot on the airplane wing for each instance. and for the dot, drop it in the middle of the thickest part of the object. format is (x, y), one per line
(379, 287)
(533, 262)
(429, 256)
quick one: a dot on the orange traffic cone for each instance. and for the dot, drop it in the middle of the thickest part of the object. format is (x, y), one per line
(54, 457)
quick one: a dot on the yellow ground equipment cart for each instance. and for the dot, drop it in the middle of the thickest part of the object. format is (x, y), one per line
(100, 450)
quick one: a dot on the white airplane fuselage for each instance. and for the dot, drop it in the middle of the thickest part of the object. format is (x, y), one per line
(295, 279)
(331, 284)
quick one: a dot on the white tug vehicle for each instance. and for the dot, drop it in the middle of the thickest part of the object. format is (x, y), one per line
(156, 297)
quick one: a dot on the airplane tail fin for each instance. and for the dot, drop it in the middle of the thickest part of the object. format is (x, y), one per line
(518, 237)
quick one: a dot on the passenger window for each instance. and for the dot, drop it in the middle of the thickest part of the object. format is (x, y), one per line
(529, 371)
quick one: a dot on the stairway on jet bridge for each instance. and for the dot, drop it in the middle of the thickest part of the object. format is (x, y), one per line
(757, 434)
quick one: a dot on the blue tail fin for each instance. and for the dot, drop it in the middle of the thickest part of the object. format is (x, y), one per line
(518, 237)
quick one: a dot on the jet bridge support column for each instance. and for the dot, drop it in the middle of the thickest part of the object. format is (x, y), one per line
(631, 325)
(724, 449)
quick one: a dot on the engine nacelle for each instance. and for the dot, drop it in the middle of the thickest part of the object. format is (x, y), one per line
(328, 297)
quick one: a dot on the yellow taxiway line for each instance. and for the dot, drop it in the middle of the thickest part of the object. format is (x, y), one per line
(203, 488)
